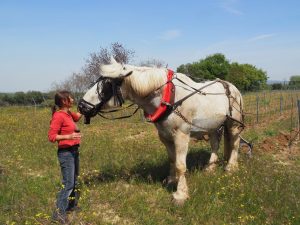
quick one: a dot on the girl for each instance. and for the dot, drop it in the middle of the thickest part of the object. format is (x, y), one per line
(66, 133)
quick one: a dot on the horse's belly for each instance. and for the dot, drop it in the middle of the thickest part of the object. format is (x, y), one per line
(207, 124)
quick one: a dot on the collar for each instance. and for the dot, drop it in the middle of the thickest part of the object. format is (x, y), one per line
(166, 100)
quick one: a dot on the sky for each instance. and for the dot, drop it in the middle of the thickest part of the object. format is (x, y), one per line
(46, 41)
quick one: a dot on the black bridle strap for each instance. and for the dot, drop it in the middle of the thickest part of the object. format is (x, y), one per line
(121, 117)
(117, 110)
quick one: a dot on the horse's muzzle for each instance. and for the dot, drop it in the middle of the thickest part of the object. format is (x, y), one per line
(86, 109)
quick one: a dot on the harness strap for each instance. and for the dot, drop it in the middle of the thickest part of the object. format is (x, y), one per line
(179, 102)
(166, 101)
(228, 94)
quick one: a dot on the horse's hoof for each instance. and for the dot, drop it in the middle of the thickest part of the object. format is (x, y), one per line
(179, 199)
(210, 168)
(230, 168)
(170, 181)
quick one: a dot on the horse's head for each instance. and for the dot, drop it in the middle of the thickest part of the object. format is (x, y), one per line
(105, 92)
(115, 69)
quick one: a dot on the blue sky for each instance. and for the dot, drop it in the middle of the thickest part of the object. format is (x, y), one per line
(42, 42)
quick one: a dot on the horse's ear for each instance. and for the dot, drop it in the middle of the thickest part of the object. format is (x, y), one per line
(122, 76)
(112, 60)
(128, 74)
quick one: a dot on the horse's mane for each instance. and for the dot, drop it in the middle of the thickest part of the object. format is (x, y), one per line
(145, 80)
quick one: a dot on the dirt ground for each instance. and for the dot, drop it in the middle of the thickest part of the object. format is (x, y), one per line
(284, 147)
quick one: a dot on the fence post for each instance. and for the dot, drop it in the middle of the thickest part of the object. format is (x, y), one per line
(281, 104)
(292, 108)
(265, 103)
(142, 115)
(34, 105)
(257, 100)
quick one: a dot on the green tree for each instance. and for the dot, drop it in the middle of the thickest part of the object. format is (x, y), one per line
(35, 96)
(20, 98)
(277, 86)
(247, 77)
(237, 76)
(213, 66)
(294, 81)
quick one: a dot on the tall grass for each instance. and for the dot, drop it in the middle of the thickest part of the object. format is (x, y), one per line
(123, 167)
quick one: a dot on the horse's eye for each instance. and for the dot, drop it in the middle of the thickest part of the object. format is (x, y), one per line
(124, 68)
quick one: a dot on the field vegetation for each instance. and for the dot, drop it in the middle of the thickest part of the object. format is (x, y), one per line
(123, 167)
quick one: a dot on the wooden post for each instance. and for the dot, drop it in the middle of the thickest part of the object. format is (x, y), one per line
(281, 99)
(265, 103)
(257, 100)
(292, 108)
(34, 105)
(298, 104)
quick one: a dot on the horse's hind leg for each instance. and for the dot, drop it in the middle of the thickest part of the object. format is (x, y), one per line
(231, 145)
(214, 140)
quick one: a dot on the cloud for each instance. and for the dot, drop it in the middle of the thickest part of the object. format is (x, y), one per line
(261, 37)
(230, 6)
(170, 34)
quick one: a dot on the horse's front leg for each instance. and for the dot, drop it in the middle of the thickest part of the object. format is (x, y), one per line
(181, 141)
(170, 146)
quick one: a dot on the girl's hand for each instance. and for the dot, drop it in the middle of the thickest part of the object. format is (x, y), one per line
(75, 136)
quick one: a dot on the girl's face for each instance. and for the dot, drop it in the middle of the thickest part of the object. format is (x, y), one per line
(68, 102)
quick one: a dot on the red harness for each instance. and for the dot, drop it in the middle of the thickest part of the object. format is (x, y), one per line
(167, 99)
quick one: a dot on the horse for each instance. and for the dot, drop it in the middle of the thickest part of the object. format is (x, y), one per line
(180, 109)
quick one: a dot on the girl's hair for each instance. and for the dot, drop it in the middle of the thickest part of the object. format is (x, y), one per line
(59, 97)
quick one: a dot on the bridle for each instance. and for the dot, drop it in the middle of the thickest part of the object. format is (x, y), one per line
(106, 89)
(104, 93)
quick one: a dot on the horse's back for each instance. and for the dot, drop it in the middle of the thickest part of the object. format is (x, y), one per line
(212, 104)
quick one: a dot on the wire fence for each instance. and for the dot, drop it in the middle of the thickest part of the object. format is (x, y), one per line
(259, 107)
(265, 106)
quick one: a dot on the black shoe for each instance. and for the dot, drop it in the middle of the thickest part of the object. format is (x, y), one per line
(74, 209)
(59, 218)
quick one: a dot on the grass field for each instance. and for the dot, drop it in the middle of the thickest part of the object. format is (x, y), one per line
(123, 165)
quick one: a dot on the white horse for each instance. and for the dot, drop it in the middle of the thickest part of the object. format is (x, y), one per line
(189, 109)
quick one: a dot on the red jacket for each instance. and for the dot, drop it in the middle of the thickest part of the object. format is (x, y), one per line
(63, 123)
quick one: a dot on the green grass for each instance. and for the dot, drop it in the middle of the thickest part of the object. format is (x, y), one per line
(123, 165)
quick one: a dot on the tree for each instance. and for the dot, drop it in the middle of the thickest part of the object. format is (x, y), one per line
(35, 97)
(237, 76)
(153, 63)
(277, 86)
(77, 83)
(247, 77)
(213, 66)
(294, 81)
(20, 98)
(92, 67)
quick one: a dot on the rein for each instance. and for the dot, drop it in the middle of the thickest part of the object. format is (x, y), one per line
(100, 113)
